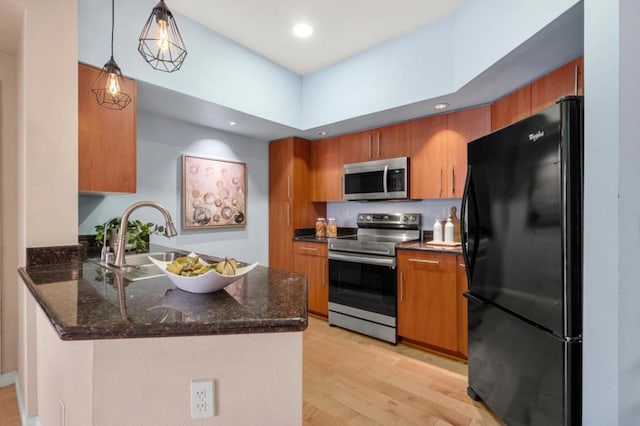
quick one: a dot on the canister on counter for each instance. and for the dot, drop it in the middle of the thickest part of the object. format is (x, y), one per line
(332, 228)
(321, 227)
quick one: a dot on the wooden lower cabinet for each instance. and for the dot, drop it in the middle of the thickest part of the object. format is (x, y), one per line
(311, 259)
(429, 300)
(461, 287)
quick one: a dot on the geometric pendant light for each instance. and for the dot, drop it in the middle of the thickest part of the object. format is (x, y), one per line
(107, 86)
(160, 42)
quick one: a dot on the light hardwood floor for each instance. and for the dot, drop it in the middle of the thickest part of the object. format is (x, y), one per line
(350, 379)
(9, 415)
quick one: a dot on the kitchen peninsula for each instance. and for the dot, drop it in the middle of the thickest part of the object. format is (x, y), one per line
(151, 339)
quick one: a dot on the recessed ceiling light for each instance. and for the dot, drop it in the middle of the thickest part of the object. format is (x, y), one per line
(302, 30)
(322, 133)
(440, 106)
(232, 123)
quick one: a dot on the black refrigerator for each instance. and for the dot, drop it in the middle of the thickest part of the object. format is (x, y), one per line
(522, 243)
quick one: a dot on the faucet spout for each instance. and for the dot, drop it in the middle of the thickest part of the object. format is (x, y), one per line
(170, 229)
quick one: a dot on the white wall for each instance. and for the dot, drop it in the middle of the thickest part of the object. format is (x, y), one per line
(146, 382)
(216, 69)
(8, 229)
(611, 371)
(46, 176)
(629, 213)
(161, 143)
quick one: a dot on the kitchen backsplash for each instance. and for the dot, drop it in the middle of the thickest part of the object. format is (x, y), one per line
(347, 211)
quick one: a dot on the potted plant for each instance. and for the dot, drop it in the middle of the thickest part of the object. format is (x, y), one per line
(137, 233)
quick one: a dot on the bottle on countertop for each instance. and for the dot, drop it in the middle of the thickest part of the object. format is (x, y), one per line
(437, 229)
(448, 231)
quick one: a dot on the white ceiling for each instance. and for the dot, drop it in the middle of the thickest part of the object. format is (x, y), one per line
(342, 28)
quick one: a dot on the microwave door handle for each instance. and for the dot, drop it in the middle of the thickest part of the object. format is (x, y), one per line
(384, 180)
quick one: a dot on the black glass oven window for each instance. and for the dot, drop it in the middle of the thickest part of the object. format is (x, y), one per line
(368, 287)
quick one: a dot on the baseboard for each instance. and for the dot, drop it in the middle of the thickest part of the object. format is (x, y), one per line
(11, 378)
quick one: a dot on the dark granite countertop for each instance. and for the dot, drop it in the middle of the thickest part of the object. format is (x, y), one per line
(85, 301)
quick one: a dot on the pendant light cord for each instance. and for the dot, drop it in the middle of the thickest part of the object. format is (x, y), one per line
(113, 18)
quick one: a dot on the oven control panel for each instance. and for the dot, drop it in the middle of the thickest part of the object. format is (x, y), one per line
(389, 220)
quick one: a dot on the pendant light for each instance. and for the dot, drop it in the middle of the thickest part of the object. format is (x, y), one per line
(160, 42)
(107, 86)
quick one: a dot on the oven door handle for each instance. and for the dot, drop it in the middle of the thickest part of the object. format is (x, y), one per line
(378, 261)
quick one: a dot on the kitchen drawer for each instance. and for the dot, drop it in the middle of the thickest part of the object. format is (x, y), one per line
(310, 249)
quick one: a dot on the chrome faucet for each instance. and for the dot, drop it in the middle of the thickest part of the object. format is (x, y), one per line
(170, 230)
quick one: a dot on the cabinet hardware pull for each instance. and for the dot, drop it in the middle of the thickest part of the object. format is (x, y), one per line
(378, 144)
(288, 218)
(462, 264)
(453, 177)
(401, 287)
(288, 187)
(308, 248)
(432, 262)
(440, 181)
(370, 147)
(323, 275)
(576, 76)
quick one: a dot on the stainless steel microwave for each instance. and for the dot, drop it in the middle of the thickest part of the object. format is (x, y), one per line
(377, 180)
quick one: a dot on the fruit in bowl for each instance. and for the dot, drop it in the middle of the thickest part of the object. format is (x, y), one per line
(191, 273)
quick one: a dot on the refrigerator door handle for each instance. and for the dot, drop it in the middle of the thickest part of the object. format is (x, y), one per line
(467, 196)
(472, 298)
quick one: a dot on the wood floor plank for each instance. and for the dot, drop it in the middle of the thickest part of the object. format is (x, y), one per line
(352, 379)
(9, 414)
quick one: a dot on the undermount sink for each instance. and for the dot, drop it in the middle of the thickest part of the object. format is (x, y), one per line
(138, 266)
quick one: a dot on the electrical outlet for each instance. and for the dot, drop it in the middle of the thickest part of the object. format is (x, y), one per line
(202, 399)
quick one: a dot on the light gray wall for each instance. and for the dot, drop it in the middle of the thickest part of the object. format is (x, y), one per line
(611, 370)
(161, 143)
(629, 213)
(345, 212)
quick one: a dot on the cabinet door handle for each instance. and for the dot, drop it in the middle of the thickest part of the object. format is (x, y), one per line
(401, 287)
(370, 147)
(288, 187)
(431, 262)
(440, 181)
(576, 76)
(378, 144)
(323, 273)
(308, 248)
(288, 215)
(453, 180)
(462, 264)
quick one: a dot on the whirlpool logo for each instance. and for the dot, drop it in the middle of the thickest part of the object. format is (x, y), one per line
(535, 136)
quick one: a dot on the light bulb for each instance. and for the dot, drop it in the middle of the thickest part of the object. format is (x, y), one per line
(163, 35)
(113, 86)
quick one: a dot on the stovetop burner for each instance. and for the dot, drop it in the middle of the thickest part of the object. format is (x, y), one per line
(379, 233)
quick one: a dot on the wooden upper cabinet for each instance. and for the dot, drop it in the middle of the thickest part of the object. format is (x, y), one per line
(566, 80)
(376, 144)
(511, 108)
(428, 138)
(463, 127)
(391, 142)
(326, 170)
(290, 205)
(106, 139)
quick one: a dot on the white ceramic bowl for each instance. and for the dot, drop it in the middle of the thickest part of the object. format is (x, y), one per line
(206, 283)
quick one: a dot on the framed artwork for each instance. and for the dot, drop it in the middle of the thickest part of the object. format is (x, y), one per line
(214, 193)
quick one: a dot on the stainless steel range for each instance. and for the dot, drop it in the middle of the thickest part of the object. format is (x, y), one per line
(362, 273)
